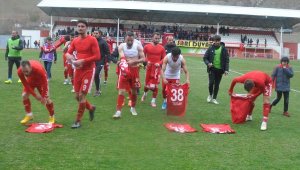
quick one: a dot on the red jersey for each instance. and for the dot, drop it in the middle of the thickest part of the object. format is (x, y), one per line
(154, 53)
(177, 99)
(261, 81)
(37, 77)
(87, 49)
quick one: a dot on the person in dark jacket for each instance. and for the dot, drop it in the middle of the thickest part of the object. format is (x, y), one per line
(170, 44)
(114, 56)
(281, 76)
(104, 50)
(217, 60)
(13, 54)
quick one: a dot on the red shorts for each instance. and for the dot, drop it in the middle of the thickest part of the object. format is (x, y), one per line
(43, 89)
(170, 81)
(83, 80)
(130, 81)
(268, 90)
(152, 76)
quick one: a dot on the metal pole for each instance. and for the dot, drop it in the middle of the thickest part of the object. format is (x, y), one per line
(51, 28)
(118, 30)
(281, 43)
(218, 27)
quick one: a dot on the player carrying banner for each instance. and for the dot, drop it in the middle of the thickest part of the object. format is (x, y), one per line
(256, 83)
(170, 72)
(131, 54)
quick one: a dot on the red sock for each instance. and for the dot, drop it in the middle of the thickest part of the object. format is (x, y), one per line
(164, 91)
(50, 109)
(88, 105)
(120, 101)
(155, 91)
(81, 108)
(133, 99)
(266, 109)
(27, 105)
(66, 73)
(265, 119)
(105, 75)
(146, 89)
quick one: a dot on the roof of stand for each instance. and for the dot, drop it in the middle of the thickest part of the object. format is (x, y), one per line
(173, 12)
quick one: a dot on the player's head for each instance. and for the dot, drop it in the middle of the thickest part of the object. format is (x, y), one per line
(155, 37)
(284, 60)
(26, 67)
(97, 33)
(248, 85)
(217, 40)
(48, 40)
(175, 53)
(72, 35)
(129, 38)
(170, 39)
(82, 27)
(14, 34)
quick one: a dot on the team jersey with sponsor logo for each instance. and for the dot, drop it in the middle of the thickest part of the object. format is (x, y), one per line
(87, 49)
(37, 77)
(154, 53)
(262, 82)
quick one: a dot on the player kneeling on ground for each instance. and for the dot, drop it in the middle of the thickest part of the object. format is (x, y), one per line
(33, 75)
(256, 83)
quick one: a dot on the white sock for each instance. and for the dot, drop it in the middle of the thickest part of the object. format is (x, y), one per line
(165, 100)
(145, 93)
(153, 100)
(29, 114)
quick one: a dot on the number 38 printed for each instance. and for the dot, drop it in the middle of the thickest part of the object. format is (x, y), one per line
(177, 95)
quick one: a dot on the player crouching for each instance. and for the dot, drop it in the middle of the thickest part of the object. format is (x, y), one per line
(33, 75)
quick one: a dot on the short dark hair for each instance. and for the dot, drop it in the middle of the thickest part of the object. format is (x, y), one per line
(25, 63)
(100, 32)
(217, 38)
(248, 85)
(48, 39)
(155, 33)
(285, 59)
(83, 22)
(176, 51)
(130, 34)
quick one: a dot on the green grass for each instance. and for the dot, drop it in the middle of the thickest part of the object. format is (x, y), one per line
(142, 142)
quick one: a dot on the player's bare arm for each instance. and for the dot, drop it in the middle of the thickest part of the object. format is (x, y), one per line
(163, 69)
(187, 74)
(141, 55)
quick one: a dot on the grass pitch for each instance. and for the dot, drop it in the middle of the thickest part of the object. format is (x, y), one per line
(142, 142)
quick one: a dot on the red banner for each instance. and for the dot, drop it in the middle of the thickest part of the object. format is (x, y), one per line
(180, 128)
